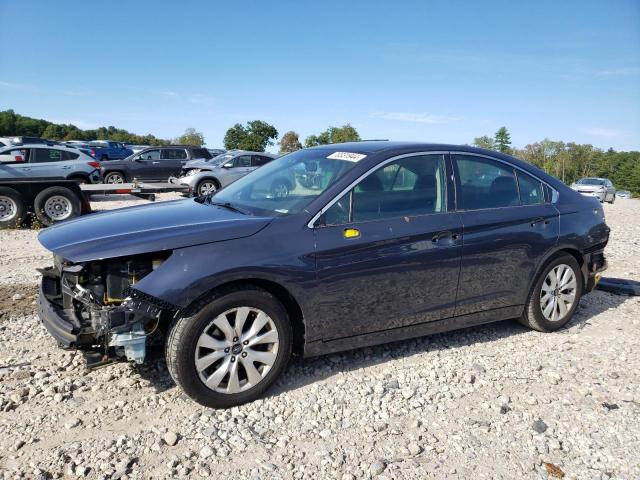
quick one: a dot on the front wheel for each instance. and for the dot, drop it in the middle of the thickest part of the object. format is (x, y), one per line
(613, 199)
(555, 295)
(206, 187)
(232, 349)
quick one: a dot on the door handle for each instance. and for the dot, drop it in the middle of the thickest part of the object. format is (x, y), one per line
(539, 220)
(155, 163)
(443, 235)
(66, 168)
(351, 233)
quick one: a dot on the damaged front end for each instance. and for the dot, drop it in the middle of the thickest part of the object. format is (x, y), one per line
(94, 307)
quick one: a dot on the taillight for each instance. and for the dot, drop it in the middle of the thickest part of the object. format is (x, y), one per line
(93, 152)
(94, 164)
(19, 158)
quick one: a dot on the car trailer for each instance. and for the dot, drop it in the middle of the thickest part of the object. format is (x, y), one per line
(54, 200)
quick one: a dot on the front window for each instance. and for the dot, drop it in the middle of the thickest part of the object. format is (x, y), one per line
(407, 187)
(286, 185)
(150, 155)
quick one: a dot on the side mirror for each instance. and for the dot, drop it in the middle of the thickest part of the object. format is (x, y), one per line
(228, 165)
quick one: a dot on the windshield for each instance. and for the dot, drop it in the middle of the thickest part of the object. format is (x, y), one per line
(220, 159)
(591, 181)
(286, 185)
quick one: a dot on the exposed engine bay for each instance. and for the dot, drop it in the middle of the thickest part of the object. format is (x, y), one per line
(99, 309)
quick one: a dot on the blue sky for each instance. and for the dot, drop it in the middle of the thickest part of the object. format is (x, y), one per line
(430, 71)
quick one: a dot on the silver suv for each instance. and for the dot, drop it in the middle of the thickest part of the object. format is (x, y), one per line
(208, 176)
(53, 161)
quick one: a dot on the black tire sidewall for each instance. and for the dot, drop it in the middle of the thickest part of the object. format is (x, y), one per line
(20, 207)
(41, 198)
(534, 301)
(187, 375)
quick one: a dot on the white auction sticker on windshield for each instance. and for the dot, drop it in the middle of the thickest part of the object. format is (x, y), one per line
(348, 156)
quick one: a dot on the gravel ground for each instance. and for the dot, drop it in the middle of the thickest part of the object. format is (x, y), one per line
(496, 401)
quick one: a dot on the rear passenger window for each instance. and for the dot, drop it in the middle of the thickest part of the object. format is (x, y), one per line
(44, 155)
(259, 160)
(408, 187)
(531, 191)
(174, 154)
(485, 183)
(66, 156)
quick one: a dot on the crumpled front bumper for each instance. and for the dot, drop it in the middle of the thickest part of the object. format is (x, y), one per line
(57, 320)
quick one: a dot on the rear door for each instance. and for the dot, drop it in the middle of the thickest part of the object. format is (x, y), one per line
(171, 163)
(388, 251)
(48, 162)
(509, 225)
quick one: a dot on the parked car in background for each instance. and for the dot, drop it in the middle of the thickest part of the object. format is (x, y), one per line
(105, 150)
(53, 161)
(624, 194)
(400, 240)
(23, 140)
(153, 163)
(601, 188)
(136, 148)
(204, 177)
(216, 151)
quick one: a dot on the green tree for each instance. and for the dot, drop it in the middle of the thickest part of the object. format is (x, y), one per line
(255, 136)
(502, 140)
(345, 133)
(190, 137)
(290, 142)
(484, 142)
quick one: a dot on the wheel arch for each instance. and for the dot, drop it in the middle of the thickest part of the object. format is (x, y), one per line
(281, 293)
(116, 170)
(209, 177)
(561, 249)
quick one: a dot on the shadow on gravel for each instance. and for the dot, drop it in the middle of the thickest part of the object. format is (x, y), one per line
(302, 372)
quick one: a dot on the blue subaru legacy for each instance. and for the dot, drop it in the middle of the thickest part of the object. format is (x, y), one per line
(375, 242)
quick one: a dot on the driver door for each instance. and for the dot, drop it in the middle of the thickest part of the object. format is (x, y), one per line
(388, 252)
(147, 165)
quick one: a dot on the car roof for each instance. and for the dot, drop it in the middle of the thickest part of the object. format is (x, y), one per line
(40, 145)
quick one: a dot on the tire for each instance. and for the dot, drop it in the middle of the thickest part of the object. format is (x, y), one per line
(187, 334)
(206, 186)
(80, 180)
(533, 315)
(613, 199)
(12, 209)
(280, 189)
(114, 178)
(56, 204)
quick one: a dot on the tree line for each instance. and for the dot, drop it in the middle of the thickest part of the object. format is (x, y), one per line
(567, 161)
(570, 161)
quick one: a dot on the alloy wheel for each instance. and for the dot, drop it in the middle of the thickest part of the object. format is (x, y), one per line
(206, 188)
(114, 178)
(236, 350)
(558, 292)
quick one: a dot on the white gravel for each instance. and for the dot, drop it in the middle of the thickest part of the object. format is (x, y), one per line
(496, 401)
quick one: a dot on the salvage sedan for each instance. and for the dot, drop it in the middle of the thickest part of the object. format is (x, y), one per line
(390, 241)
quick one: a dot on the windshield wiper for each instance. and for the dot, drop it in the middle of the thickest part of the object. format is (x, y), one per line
(228, 206)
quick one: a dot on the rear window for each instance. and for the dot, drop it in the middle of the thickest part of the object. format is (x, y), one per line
(44, 155)
(200, 153)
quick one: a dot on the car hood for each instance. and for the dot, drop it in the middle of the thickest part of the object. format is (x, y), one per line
(199, 164)
(146, 229)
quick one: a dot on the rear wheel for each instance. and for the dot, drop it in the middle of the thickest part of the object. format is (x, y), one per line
(555, 295)
(232, 349)
(11, 208)
(114, 178)
(613, 198)
(56, 204)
